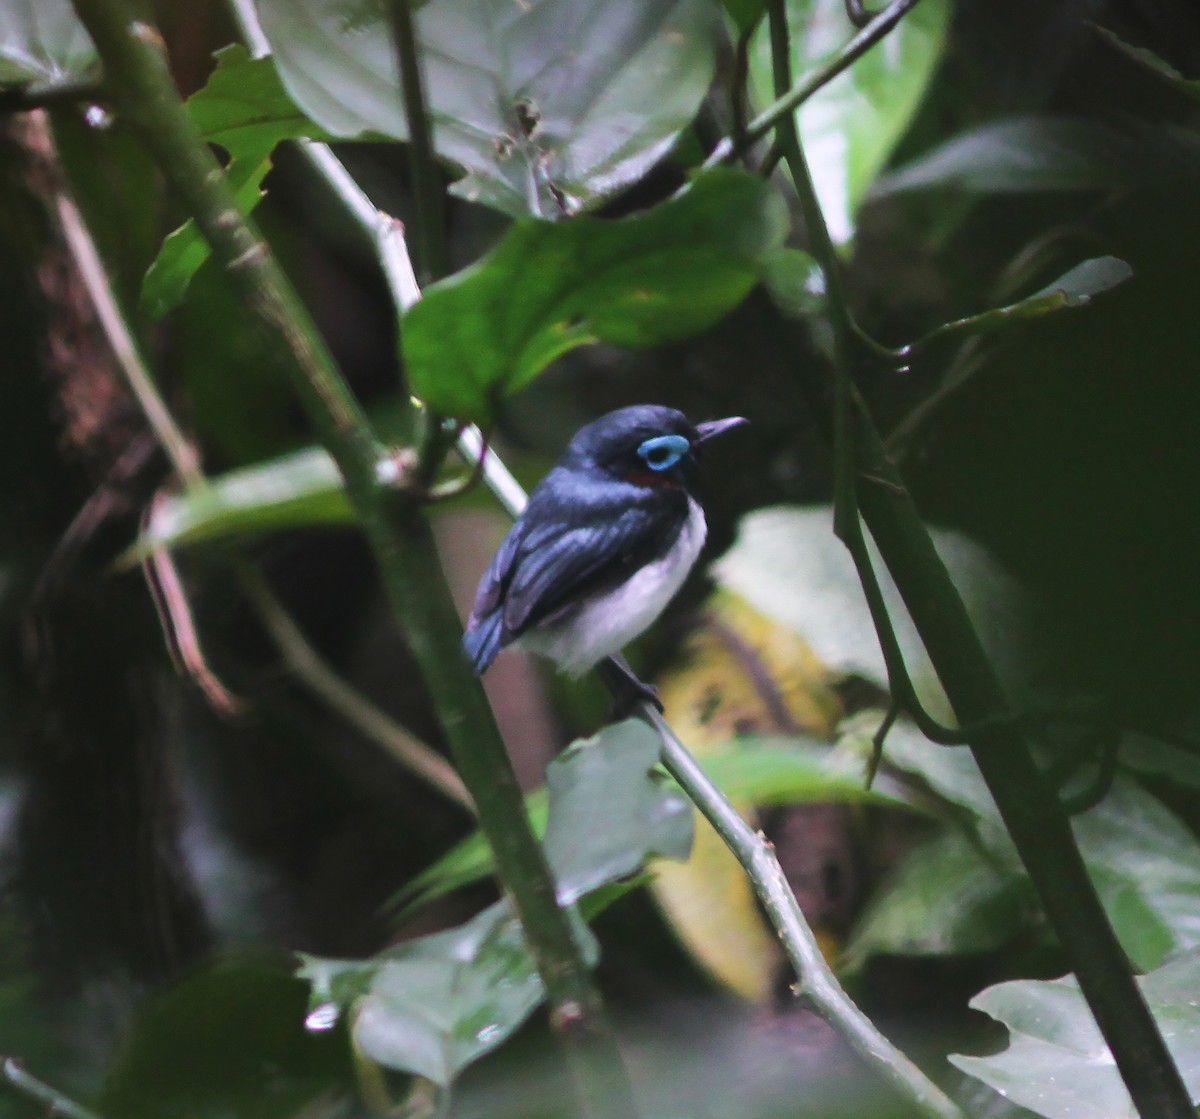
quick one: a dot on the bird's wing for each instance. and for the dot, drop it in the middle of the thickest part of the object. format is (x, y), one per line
(560, 563)
(495, 579)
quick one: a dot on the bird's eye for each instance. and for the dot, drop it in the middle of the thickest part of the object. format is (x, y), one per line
(663, 451)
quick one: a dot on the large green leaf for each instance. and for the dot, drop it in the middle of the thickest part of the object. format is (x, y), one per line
(609, 812)
(645, 280)
(434, 1005)
(1054, 154)
(43, 44)
(789, 566)
(244, 109)
(1144, 862)
(546, 104)
(948, 898)
(850, 127)
(1057, 1063)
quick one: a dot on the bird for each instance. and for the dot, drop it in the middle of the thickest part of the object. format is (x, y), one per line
(606, 540)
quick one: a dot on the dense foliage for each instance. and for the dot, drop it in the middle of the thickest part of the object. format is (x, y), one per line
(253, 886)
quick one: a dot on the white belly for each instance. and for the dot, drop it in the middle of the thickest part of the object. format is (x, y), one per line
(603, 625)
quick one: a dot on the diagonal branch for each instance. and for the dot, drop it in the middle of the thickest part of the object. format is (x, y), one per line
(399, 535)
(1029, 808)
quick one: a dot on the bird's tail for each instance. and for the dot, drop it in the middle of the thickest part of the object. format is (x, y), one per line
(482, 642)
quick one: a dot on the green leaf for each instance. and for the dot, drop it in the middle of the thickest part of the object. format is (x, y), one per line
(1075, 288)
(796, 283)
(1145, 754)
(304, 488)
(645, 280)
(947, 898)
(768, 771)
(43, 44)
(433, 1005)
(185, 250)
(244, 109)
(1045, 154)
(609, 814)
(1144, 862)
(546, 104)
(1057, 1063)
(850, 128)
(1148, 60)
(789, 566)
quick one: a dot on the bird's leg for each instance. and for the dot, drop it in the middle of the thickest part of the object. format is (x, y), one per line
(626, 687)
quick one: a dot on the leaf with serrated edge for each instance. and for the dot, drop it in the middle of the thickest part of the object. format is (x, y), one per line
(243, 108)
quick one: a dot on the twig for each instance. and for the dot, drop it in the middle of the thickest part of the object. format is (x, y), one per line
(82, 247)
(24, 98)
(54, 1101)
(395, 527)
(179, 627)
(816, 980)
(789, 100)
(416, 756)
(858, 13)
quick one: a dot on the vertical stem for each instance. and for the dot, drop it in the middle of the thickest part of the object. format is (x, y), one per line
(1032, 814)
(400, 538)
(428, 195)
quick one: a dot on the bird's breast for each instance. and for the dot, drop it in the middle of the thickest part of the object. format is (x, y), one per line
(605, 622)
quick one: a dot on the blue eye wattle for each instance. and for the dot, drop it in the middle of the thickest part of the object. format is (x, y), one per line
(663, 451)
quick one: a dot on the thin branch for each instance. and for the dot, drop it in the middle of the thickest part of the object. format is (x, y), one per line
(179, 449)
(395, 527)
(179, 627)
(311, 669)
(817, 982)
(35, 95)
(858, 13)
(789, 100)
(54, 1101)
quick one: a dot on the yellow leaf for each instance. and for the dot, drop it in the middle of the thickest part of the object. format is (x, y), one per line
(739, 674)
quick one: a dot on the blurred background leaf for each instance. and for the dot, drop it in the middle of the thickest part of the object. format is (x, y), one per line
(42, 43)
(850, 127)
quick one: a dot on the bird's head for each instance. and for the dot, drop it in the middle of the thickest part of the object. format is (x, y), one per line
(647, 444)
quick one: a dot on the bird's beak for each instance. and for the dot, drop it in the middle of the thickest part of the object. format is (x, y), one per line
(715, 427)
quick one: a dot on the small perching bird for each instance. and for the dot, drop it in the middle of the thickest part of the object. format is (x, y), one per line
(608, 537)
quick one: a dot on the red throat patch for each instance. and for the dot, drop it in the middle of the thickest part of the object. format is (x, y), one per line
(653, 480)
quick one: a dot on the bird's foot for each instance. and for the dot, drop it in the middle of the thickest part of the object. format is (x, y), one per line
(628, 690)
